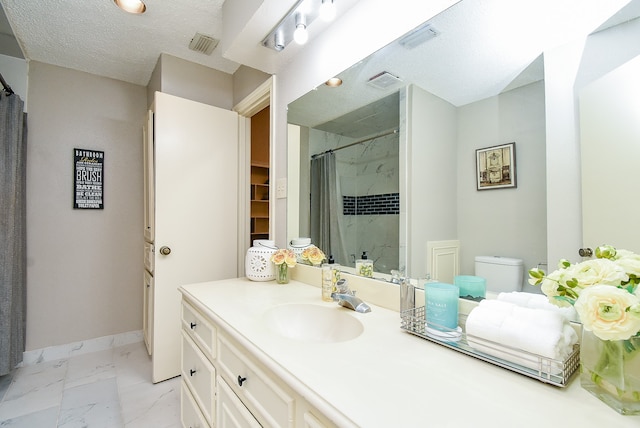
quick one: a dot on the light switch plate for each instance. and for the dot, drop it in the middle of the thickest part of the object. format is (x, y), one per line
(281, 188)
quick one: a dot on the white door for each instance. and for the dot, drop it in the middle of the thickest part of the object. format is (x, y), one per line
(196, 205)
(609, 136)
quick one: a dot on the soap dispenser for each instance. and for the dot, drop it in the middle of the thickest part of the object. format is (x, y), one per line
(364, 266)
(330, 275)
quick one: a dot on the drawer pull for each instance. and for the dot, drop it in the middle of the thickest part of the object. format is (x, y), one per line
(241, 380)
(193, 325)
(192, 372)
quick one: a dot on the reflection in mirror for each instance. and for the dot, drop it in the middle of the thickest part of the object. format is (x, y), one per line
(355, 189)
(471, 81)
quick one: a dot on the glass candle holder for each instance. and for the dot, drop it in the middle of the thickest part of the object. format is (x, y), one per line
(441, 305)
(471, 287)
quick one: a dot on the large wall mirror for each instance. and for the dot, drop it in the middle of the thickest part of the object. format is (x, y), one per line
(387, 162)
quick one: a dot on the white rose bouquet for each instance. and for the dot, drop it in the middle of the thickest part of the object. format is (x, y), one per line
(604, 291)
(606, 295)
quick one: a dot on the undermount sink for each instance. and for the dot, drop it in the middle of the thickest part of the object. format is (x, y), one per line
(312, 323)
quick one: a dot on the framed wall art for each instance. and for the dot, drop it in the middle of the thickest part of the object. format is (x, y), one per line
(496, 167)
(88, 170)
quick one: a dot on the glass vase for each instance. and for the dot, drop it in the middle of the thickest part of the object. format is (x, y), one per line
(610, 370)
(282, 273)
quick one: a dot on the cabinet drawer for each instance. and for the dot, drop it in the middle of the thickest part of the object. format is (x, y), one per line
(149, 257)
(200, 330)
(231, 412)
(200, 377)
(190, 414)
(270, 403)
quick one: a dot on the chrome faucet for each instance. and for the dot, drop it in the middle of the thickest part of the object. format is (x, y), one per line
(347, 298)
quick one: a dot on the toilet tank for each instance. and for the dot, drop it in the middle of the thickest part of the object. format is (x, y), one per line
(503, 274)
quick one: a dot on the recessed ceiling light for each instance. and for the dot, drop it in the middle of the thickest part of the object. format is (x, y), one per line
(334, 82)
(131, 6)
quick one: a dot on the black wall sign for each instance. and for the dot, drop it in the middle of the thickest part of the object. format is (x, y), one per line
(88, 173)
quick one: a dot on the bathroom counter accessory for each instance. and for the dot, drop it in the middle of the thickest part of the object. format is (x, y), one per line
(544, 369)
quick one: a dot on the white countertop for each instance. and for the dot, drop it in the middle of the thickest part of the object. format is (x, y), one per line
(387, 377)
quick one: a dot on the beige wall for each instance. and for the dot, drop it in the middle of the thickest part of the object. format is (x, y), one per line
(192, 81)
(431, 157)
(186, 79)
(84, 275)
(245, 81)
(85, 266)
(504, 222)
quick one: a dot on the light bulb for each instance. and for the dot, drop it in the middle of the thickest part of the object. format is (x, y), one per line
(301, 35)
(327, 10)
(131, 6)
(278, 41)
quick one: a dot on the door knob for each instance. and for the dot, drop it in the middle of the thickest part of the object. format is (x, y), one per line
(585, 252)
(165, 251)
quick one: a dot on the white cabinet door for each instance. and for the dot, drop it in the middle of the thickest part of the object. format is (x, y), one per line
(196, 214)
(148, 174)
(231, 412)
(147, 312)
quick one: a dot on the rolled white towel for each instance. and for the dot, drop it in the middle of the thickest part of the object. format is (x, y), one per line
(515, 329)
(537, 301)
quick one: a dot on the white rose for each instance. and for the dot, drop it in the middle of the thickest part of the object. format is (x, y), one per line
(551, 283)
(597, 271)
(603, 310)
(629, 262)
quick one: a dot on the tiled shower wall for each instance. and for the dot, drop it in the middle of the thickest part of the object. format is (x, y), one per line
(369, 183)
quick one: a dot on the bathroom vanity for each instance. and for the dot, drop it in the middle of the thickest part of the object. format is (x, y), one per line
(255, 353)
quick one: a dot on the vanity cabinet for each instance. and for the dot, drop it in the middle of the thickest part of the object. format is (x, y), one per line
(191, 214)
(228, 387)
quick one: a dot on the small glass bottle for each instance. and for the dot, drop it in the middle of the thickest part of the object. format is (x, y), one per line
(364, 266)
(330, 275)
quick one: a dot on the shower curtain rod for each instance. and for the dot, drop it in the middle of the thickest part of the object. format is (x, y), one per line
(384, 134)
(6, 87)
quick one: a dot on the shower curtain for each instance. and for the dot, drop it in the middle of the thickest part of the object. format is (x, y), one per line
(326, 207)
(13, 264)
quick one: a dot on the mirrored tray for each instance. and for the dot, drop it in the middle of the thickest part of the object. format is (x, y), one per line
(544, 369)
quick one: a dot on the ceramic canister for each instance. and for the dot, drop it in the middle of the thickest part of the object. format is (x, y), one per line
(298, 245)
(257, 263)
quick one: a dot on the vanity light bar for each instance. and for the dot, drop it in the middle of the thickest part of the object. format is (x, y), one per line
(282, 34)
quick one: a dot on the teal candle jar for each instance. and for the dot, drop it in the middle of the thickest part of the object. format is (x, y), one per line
(441, 305)
(471, 287)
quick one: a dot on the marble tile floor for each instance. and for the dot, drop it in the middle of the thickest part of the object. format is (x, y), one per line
(104, 389)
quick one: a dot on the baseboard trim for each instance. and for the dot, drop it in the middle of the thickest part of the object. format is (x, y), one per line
(68, 350)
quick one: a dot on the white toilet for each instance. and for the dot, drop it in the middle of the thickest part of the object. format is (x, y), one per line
(503, 274)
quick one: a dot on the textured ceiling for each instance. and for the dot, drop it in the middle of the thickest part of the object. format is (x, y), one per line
(97, 37)
(484, 46)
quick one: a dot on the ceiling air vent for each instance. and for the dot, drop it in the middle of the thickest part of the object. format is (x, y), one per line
(383, 80)
(203, 44)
